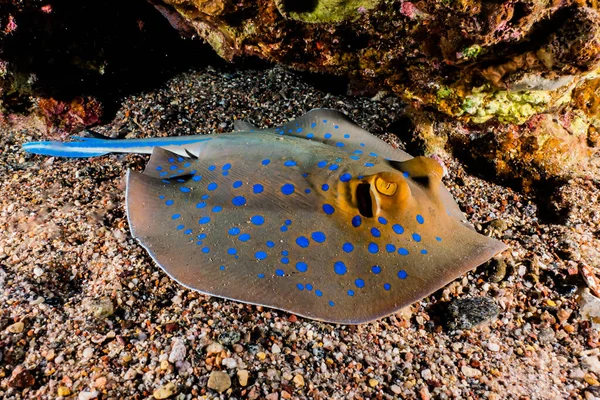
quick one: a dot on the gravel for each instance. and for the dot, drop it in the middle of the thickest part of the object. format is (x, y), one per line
(84, 313)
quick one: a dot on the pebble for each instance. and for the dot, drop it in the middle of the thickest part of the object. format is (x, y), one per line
(178, 351)
(37, 271)
(229, 363)
(88, 395)
(214, 348)
(493, 346)
(426, 374)
(243, 376)
(219, 381)
(298, 380)
(164, 392)
(470, 372)
(229, 338)
(17, 327)
(373, 382)
(21, 378)
(261, 355)
(589, 307)
(87, 352)
(396, 389)
(470, 312)
(101, 308)
(496, 269)
(63, 391)
(275, 349)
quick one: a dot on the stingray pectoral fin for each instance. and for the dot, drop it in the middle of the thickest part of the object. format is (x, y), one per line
(244, 126)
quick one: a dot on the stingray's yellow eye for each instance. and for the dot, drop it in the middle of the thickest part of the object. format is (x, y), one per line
(384, 187)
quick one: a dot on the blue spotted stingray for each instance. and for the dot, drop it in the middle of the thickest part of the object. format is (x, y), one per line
(317, 217)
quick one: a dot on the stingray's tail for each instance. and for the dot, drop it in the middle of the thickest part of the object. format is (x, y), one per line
(97, 146)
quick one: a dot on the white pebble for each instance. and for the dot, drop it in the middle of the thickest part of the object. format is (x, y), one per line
(229, 363)
(493, 346)
(88, 352)
(275, 349)
(37, 271)
(178, 351)
(426, 374)
(88, 395)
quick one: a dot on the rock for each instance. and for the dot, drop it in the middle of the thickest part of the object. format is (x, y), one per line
(100, 308)
(164, 392)
(298, 380)
(17, 327)
(589, 307)
(261, 355)
(219, 381)
(493, 346)
(229, 362)
(468, 313)
(496, 269)
(21, 378)
(275, 349)
(88, 395)
(470, 372)
(178, 351)
(214, 348)
(373, 382)
(229, 338)
(63, 391)
(243, 376)
(396, 389)
(87, 353)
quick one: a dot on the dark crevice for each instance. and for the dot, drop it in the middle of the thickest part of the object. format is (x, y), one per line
(365, 203)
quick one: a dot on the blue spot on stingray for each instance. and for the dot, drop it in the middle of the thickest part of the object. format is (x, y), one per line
(173, 167)
(288, 222)
(166, 181)
(387, 286)
(327, 135)
(333, 167)
(186, 165)
(331, 303)
(423, 251)
(307, 191)
(375, 232)
(324, 121)
(188, 231)
(390, 248)
(285, 260)
(257, 220)
(217, 209)
(212, 167)
(318, 237)
(350, 292)
(244, 237)
(287, 189)
(345, 177)
(180, 171)
(180, 227)
(261, 276)
(290, 163)
(382, 220)
(222, 268)
(201, 236)
(284, 253)
(204, 220)
(260, 255)
(340, 144)
(225, 173)
(163, 174)
(201, 205)
(206, 250)
(237, 184)
(283, 229)
(226, 167)
(376, 269)
(328, 209)
(362, 145)
(175, 216)
(373, 248)
(321, 164)
(313, 124)
(279, 272)
(180, 180)
(318, 293)
(197, 178)
(162, 197)
(358, 152)
(416, 237)
(373, 154)
(300, 286)
(325, 187)
(180, 159)
(420, 219)
(439, 239)
(266, 162)
(356, 158)
(340, 268)
(302, 241)
(309, 287)
(348, 247)
(212, 186)
(402, 251)
(346, 136)
(369, 164)
(310, 135)
(398, 229)
(232, 251)
(199, 243)
(359, 283)
(402, 274)
(406, 174)
(270, 244)
(258, 188)
(304, 175)
(171, 160)
(336, 127)
(238, 201)
(205, 197)
(159, 168)
(356, 221)
(339, 159)
(301, 266)
(169, 202)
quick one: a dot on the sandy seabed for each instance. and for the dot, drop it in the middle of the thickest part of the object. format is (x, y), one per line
(84, 312)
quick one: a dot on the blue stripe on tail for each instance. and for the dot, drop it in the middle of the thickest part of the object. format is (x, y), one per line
(59, 149)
